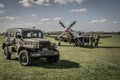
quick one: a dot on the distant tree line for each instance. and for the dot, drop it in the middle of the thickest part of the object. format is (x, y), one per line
(92, 32)
(54, 33)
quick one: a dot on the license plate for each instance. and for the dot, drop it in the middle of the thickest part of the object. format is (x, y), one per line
(45, 49)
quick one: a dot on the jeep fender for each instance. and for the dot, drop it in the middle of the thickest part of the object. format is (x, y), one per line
(23, 48)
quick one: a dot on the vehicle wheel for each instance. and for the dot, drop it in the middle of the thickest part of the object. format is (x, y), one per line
(24, 58)
(7, 53)
(53, 59)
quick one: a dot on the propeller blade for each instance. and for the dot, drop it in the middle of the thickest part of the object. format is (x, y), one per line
(71, 24)
(61, 35)
(62, 24)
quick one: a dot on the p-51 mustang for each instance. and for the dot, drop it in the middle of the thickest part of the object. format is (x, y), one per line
(76, 38)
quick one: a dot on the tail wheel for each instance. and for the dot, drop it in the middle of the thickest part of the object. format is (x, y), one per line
(24, 58)
(7, 53)
(55, 58)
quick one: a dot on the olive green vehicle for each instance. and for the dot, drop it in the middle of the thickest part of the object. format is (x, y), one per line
(29, 45)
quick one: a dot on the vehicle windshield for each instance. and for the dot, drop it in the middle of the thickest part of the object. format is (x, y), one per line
(32, 34)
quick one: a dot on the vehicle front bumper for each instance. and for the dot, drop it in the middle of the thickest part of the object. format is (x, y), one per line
(41, 53)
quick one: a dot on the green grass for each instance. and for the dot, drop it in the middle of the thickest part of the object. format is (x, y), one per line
(75, 63)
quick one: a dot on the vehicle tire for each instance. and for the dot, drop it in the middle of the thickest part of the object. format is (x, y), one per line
(24, 58)
(53, 59)
(7, 53)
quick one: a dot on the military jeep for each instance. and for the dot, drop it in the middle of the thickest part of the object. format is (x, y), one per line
(29, 45)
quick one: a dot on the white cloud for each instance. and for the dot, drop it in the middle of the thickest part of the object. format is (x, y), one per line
(27, 3)
(94, 21)
(80, 1)
(34, 15)
(45, 19)
(57, 18)
(116, 22)
(62, 1)
(103, 20)
(1, 6)
(69, 1)
(11, 17)
(81, 10)
(30, 3)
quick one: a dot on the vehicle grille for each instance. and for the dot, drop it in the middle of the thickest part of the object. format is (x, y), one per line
(44, 44)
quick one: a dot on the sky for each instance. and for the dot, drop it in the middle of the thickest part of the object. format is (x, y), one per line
(90, 15)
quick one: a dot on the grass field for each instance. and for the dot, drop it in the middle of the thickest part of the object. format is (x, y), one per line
(76, 63)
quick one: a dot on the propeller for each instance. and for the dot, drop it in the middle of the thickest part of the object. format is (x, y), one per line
(62, 24)
(61, 35)
(67, 29)
(72, 24)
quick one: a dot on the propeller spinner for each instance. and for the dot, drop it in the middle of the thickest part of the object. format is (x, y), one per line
(66, 28)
